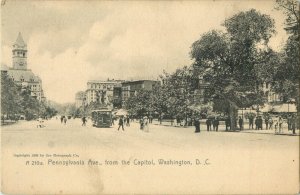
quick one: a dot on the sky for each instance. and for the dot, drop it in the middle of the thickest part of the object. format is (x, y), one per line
(71, 42)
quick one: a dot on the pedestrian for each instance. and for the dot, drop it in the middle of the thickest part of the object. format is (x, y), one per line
(65, 120)
(276, 124)
(62, 119)
(128, 121)
(256, 123)
(141, 123)
(146, 124)
(208, 124)
(241, 123)
(260, 122)
(121, 123)
(40, 123)
(227, 123)
(270, 123)
(216, 124)
(182, 122)
(197, 125)
(267, 122)
(178, 121)
(150, 118)
(280, 121)
(289, 122)
(293, 124)
(83, 121)
(124, 120)
(251, 122)
(113, 120)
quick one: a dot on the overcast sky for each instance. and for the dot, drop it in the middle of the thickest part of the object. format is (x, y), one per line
(71, 42)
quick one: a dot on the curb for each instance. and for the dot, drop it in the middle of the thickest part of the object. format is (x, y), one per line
(237, 131)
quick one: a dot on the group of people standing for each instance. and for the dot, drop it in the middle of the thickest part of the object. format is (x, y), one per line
(63, 120)
(144, 123)
(212, 122)
(272, 122)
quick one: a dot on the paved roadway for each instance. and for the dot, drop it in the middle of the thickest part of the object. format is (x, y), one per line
(236, 162)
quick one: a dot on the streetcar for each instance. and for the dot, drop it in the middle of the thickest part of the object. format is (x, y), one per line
(102, 118)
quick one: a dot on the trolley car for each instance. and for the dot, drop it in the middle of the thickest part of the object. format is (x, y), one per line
(102, 118)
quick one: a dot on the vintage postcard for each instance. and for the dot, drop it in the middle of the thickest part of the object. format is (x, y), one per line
(150, 97)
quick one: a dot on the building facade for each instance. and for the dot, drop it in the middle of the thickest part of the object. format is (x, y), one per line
(130, 88)
(20, 74)
(80, 99)
(101, 91)
(269, 94)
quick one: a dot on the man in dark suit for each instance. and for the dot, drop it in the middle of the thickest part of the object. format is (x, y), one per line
(121, 123)
(208, 124)
(197, 125)
(241, 123)
(216, 124)
(227, 123)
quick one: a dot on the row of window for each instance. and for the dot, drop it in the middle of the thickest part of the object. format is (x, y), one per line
(97, 86)
(22, 79)
(19, 53)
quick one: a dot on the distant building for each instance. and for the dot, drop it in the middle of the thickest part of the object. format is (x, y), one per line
(130, 88)
(79, 99)
(269, 94)
(101, 91)
(117, 96)
(20, 74)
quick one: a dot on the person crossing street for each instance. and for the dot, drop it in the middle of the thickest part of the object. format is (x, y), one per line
(121, 123)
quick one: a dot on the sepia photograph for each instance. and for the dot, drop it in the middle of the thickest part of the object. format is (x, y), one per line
(150, 97)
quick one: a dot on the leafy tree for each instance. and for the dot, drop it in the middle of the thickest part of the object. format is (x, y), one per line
(291, 9)
(180, 92)
(228, 60)
(140, 104)
(10, 97)
(31, 107)
(287, 77)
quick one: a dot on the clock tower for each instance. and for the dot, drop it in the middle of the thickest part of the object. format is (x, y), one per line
(19, 54)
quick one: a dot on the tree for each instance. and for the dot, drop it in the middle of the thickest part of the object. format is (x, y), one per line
(140, 104)
(287, 79)
(31, 107)
(174, 97)
(291, 9)
(228, 60)
(10, 97)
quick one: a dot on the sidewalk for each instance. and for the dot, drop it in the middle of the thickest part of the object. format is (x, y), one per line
(272, 131)
(8, 122)
(222, 128)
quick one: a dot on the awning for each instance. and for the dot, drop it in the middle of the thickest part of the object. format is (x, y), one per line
(121, 112)
(280, 108)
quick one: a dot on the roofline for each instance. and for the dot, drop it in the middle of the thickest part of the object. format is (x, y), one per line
(139, 81)
(97, 81)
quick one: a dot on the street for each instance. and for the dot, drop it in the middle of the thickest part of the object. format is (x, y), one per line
(229, 161)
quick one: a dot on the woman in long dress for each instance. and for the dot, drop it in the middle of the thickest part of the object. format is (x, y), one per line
(146, 124)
